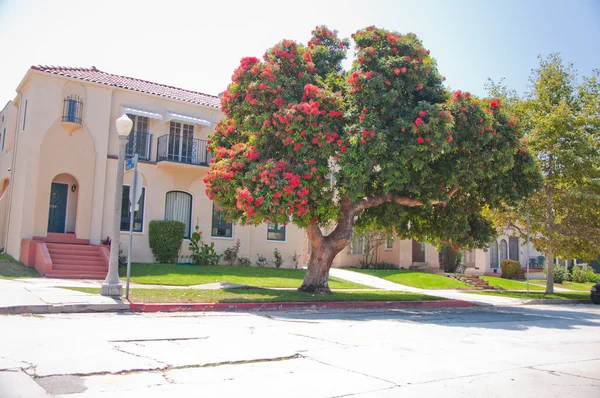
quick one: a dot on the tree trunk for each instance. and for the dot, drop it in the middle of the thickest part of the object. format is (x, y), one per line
(319, 263)
(325, 248)
(550, 271)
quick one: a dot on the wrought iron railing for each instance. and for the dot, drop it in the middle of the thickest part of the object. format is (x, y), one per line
(181, 149)
(72, 109)
(140, 143)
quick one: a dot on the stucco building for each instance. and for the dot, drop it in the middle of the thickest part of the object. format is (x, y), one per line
(58, 163)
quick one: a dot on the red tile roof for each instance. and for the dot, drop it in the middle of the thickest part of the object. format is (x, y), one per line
(129, 83)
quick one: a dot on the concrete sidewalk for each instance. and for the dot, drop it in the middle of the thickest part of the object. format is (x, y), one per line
(41, 295)
(478, 299)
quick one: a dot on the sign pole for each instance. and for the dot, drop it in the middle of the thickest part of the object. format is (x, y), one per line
(527, 254)
(132, 205)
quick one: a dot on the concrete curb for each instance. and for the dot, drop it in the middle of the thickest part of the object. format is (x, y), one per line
(166, 307)
(557, 301)
(63, 308)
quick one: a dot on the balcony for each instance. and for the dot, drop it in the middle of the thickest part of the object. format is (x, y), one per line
(72, 113)
(182, 149)
(139, 143)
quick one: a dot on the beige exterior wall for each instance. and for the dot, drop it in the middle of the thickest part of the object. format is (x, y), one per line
(49, 151)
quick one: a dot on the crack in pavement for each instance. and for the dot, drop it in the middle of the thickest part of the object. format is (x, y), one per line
(163, 339)
(120, 349)
(168, 368)
(558, 373)
(324, 340)
(352, 371)
(365, 392)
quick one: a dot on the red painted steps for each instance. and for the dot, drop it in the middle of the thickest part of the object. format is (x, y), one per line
(74, 258)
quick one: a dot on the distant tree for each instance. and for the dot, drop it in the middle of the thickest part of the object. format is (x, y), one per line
(561, 121)
(410, 157)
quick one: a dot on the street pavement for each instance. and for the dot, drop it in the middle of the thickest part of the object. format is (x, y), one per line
(524, 351)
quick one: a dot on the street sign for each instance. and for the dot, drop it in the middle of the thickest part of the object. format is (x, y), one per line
(135, 191)
(129, 164)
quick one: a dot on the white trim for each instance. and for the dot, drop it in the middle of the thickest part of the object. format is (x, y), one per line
(223, 237)
(145, 194)
(141, 112)
(186, 119)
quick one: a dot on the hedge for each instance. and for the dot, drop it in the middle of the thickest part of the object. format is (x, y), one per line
(510, 269)
(165, 239)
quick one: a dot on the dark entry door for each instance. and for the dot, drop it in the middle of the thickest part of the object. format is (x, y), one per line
(418, 252)
(58, 207)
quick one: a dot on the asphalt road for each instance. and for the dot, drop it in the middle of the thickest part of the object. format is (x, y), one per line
(526, 351)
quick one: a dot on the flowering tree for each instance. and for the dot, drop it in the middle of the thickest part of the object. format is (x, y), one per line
(383, 145)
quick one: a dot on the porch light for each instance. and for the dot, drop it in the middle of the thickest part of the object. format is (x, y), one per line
(124, 125)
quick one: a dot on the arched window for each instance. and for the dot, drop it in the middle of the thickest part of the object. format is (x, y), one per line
(179, 208)
(494, 255)
(503, 250)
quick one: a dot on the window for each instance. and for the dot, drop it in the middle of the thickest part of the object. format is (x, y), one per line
(72, 109)
(3, 138)
(513, 248)
(276, 231)
(138, 215)
(179, 208)
(389, 244)
(494, 255)
(181, 142)
(139, 139)
(221, 228)
(24, 115)
(356, 245)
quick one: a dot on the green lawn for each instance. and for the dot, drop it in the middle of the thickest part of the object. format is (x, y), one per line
(584, 287)
(13, 269)
(537, 295)
(417, 279)
(182, 275)
(508, 284)
(244, 295)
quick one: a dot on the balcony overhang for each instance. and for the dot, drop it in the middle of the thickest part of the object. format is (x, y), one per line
(141, 112)
(186, 119)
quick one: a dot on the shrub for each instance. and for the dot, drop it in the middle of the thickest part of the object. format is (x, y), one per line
(450, 258)
(295, 259)
(510, 269)
(230, 254)
(278, 262)
(578, 275)
(560, 273)
(261, 261)
(592, 276)
(165, 239)
(244, 261)
(383, 265)
(202, 254)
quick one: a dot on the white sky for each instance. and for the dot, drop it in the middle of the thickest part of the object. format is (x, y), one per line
(197, 44)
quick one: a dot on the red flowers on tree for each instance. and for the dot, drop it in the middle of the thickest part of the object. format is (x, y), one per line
(296, 117)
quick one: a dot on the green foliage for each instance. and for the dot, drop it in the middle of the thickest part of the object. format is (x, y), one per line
(165, 239)
(244, 261)
(451, 259)
(580, 275)
(382, 265)
(560, 273)
(387, 130)
(261, 261)
(510, 269)
(230, 254)
(202, 254)
(278, 262)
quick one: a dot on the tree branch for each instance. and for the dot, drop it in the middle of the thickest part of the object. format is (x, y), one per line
(373, 201)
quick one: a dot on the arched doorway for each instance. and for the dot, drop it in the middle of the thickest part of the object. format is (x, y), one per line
(62, 210)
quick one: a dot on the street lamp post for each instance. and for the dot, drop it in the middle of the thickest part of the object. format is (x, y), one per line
(112, 285)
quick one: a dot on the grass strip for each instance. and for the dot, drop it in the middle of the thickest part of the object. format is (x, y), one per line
(251, 295)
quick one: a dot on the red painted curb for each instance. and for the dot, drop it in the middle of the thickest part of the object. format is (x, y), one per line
(162, 307)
